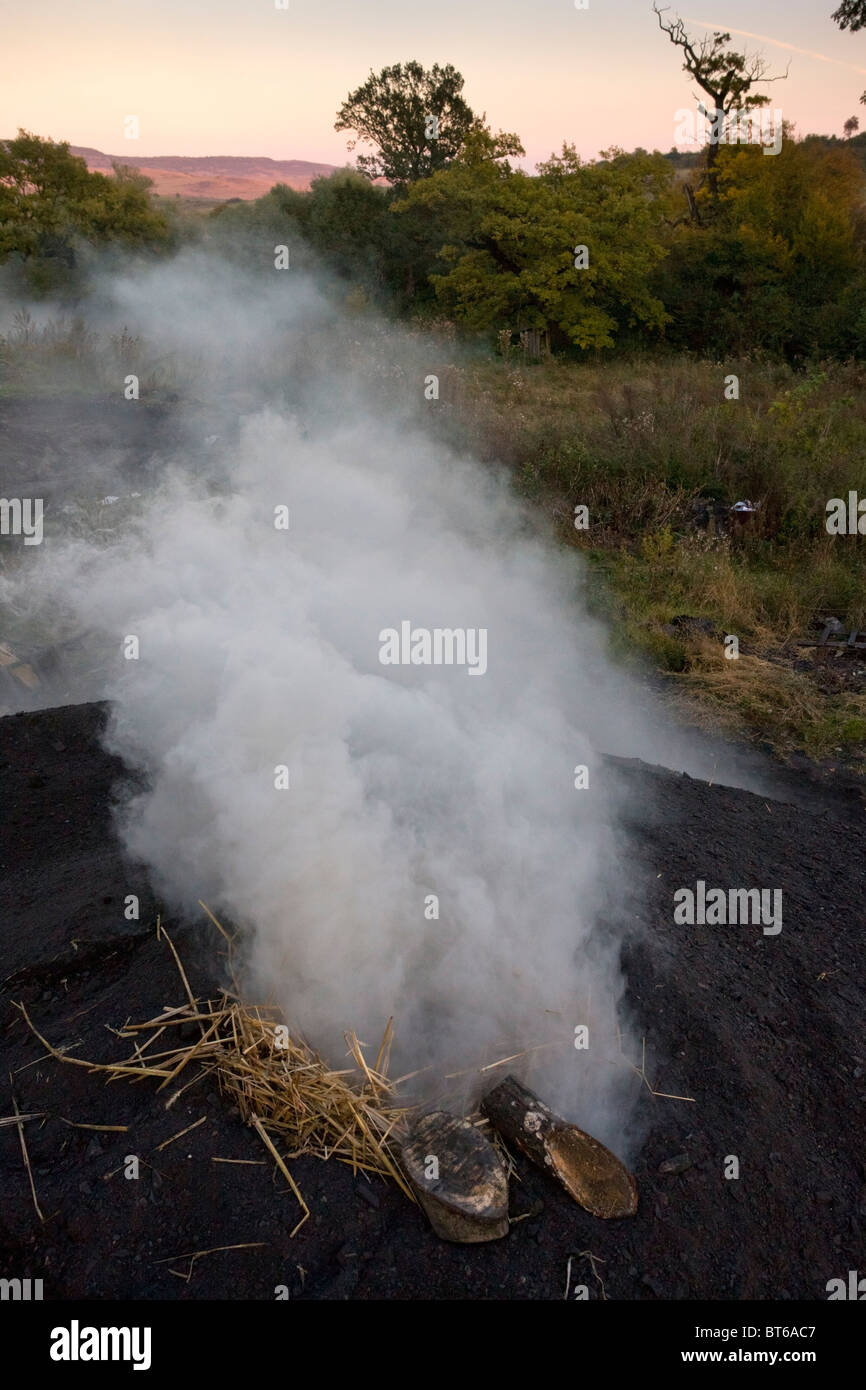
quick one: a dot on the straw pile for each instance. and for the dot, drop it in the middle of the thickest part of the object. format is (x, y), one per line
(281, 1086)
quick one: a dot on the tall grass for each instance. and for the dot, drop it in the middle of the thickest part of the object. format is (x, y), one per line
(639, 442)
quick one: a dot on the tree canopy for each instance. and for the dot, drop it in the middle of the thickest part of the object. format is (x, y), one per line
(851, 14)
(49, 199)
(510, 257)
(416, 119)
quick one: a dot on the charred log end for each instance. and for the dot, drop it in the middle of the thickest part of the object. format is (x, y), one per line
(458, 1177)
(588, 1171)
(457, 1226)
(592, 1174)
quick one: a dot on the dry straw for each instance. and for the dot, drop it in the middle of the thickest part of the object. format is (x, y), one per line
(282, 1087)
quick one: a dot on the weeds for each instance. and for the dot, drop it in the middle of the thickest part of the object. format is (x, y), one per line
(644, 444)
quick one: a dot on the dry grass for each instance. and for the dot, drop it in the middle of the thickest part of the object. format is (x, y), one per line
(19, 1119)
(282, 1087)
(638, 440)
(771, 697)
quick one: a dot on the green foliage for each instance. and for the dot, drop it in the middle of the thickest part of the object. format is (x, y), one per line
(510, 240)
(350, 223)
(851, 14)
(614, 436)
(417, 121)
(776, 265)
(657, 546)
(49, 201)
(781, 265)
(344, 224)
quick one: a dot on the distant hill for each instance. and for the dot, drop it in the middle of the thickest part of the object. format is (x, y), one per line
(210, 176)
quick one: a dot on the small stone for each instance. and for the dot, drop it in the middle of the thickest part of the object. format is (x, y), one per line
(94, 1148)
(678, 1164)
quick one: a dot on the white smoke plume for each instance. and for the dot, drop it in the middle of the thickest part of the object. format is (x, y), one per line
(259, 649)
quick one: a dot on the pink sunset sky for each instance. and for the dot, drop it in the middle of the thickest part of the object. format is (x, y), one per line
(244, 77)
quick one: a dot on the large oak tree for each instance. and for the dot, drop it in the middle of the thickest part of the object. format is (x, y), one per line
(417, 121)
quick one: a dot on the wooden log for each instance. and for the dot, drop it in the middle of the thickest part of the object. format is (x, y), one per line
(458, 1177)
(592, 1175)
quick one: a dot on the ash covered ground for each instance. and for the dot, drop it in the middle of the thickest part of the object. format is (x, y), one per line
(768, 1042)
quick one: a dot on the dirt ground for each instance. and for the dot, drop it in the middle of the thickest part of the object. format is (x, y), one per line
(49, 444)
(765, 1032)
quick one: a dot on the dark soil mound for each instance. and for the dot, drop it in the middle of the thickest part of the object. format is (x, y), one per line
(765, 1032)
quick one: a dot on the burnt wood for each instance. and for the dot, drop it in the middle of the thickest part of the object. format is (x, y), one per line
(587, 1170)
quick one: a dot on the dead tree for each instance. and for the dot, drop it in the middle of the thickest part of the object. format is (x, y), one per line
(726, 78)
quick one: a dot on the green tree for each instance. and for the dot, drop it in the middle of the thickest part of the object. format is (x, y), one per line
(851, 14)
(416, 119)
(781, 268)
(509, 257)
(49, 199)
(119, 209)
